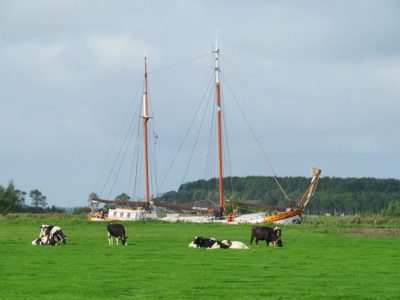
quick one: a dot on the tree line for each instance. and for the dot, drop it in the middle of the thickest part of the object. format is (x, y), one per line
(334, 195)
(13, 200)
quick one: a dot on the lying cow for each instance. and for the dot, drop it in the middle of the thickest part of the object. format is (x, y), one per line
(235, 244)
(45, 240)
(50, 235)
(212, 243)
(200, 242)
(116, 231)
(268, 234)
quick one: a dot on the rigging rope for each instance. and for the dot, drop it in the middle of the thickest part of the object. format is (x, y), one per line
(196, 140)
(178, 64)
(131, 131)
(255, 138)
(174, 156)
(116, 159)
(114, 144)
(227, 153)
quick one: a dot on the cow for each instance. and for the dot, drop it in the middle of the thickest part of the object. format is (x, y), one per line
(116, 231)
(50, 235)
(212, 243)
(201, 242)
(234, 244)
(45, 240)
(268, 234)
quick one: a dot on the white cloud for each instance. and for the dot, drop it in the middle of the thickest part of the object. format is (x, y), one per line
(38, 61)
(33, 54)
(119, 51)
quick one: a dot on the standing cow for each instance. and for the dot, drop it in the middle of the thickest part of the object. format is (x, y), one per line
(118, 232)
(267, 234)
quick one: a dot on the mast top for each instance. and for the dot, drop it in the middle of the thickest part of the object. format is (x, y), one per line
(216, 55)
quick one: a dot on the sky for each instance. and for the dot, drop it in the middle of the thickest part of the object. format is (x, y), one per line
(319, 82)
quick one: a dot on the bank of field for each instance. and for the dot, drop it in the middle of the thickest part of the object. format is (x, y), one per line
(315, 263)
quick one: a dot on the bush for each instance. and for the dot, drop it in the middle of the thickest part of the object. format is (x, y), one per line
(393, 209)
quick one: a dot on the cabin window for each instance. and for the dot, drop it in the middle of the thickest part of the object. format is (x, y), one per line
(115, 213)
(128, 215)
(121, 215)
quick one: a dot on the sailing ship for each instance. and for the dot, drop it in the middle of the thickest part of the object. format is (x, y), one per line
(131, 210)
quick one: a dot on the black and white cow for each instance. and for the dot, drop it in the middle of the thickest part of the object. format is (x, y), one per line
(118, 232)
(212, 243)
(50, 235)
(235, 244)
(201, 242)
(268, 234)
(45, 240)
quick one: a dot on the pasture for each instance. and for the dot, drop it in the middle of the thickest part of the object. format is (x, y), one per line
(316, 262)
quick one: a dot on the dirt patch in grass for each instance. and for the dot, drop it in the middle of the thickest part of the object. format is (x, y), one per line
(372, 232)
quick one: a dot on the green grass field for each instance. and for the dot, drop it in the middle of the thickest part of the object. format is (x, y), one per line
(316, 262)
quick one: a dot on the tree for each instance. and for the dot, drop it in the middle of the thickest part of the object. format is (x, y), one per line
(393, 209)
(123, 197)
(38, 200)
(93, 196)
(9, 199)
(93, 204)
(20, 198)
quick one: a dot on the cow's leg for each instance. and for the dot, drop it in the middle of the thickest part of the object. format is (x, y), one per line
(117, 240)
(110, 241)
(251, 239)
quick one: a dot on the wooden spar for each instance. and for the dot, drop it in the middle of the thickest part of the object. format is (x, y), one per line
(218, 103)
(145, 116)
(310, 190)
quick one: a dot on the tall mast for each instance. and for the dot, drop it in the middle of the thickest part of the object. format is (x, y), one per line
(145, 117)
(218, 102)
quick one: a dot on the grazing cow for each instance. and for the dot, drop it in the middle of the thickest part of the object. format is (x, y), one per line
(50, 235)
(268, 234)
(118, 232)
(212, 243)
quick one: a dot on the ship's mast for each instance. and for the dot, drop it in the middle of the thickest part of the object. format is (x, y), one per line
(145, 117)
(218, 103)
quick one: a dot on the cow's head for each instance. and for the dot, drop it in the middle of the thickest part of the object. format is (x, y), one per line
(36, 242)
(226, 244)
(198, 240)
(123, 240)
(278, 242)
(43, 230)
(277, 231)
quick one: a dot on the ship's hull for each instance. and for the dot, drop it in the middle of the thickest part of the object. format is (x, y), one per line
(293, 216)
(123, 214)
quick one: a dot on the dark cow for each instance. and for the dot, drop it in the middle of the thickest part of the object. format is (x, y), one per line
(267, 234)
(118, 232)
(50, 235)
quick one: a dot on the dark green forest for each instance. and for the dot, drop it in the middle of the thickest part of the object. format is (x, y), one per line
(333, 195)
